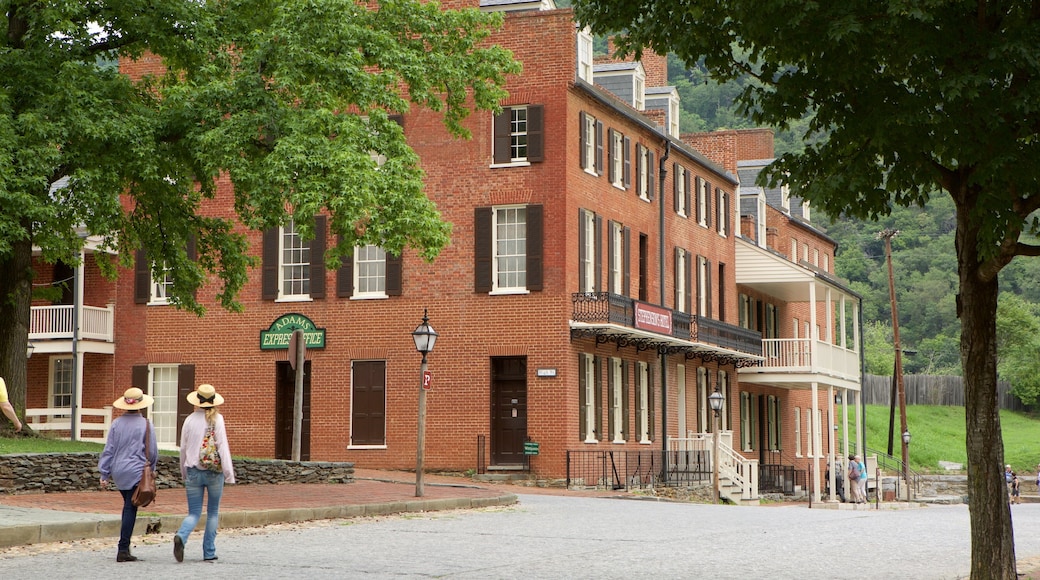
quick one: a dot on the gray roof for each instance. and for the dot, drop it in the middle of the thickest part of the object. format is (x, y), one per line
(659, 90)
(614, 66)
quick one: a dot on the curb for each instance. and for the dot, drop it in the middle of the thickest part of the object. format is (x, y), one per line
(108, 525)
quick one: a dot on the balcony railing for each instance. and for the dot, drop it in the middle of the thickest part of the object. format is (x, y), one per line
(608, 308)
(809, 356)
(56, 322)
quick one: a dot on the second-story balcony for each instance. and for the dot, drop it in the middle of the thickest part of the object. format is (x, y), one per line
(53, 328)
(615, 318)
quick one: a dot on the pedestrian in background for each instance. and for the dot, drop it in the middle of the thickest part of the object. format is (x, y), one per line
(862, 479)
(7, 408)
(123, 459)
(854, 475)
(205, 466)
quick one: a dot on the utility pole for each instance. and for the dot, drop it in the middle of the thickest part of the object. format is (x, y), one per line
(887, 235)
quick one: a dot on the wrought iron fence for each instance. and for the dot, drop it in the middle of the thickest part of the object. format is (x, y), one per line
(637, 469)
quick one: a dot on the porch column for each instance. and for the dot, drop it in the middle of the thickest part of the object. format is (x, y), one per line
(830, 441)
(813, 335)
(817, 442)
(77, 358)
(844, 330)
(828, 308)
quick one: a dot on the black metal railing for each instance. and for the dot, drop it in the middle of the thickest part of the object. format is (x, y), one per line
(637, 469)
(605, 307)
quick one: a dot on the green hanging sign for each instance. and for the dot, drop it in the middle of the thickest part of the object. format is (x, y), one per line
(276, 337)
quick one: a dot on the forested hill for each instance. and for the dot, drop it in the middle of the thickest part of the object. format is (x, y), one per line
(924, 262)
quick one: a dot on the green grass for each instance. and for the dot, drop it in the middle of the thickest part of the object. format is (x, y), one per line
(938, 434)
(45, 444)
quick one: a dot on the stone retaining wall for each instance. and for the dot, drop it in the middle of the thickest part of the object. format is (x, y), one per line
(58, 472)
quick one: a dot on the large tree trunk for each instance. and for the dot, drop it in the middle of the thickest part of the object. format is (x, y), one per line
(992, 541)
(15, 300)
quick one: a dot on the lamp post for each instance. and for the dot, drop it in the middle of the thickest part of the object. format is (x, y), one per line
(715, 400)
(425, 337)
(906, 465)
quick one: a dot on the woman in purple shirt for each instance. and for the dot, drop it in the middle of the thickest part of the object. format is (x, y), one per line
(123, 459)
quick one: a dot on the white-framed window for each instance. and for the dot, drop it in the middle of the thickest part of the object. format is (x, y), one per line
(518, 134)
(59, 391)
(369, 272)
(816, 257)
(680, 280)
(680, 381)
(723, 386)
(617, 262)
(785, 198)
(722, 213)
(589, 153)
(509, 273)
(702, 203)
(704, 414)
(639, 90)
(702, 286)
(162, 386)
(805, 210)
(645, 168)
(673, 116)
(826, 263)
(616, 401)
(805, 253)
(590, 398)
(294, 273)
(643, 392)
(797, 432)
(161, 287)
(588, 255)
(585, 57)
(680, 191)
(617, 158)
(811, 439)
(794, 250)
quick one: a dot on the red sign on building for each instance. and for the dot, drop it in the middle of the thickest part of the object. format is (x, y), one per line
(653, 318)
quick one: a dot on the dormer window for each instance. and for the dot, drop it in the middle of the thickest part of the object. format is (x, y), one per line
(673, 117)
(639, 90)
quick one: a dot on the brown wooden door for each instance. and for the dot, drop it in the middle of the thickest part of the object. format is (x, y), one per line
(508, 410)
(285, 399)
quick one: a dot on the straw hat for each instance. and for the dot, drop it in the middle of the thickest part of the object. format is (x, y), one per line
(133, 399)
(206, 396)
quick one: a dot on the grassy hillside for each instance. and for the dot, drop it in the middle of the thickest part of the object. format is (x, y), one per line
(938, 434)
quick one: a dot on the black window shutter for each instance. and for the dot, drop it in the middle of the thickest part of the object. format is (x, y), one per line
(722, 291)
(535, 133)
(650, 175)
(627, 144)
(597, 368)
(139, 379)
(482, 249)
(583, 425)
(345, 277)
(597, 244)
(626, 261)
(675, 187)
(689, 283)
(698, 185)
(707, 209)
(686, 191)
(394, 278)
(639, 166)
(599, 147)
(193, 254)
(502, 142)
(625, 406)
(676, 274)
(317, 265)
(185, 385)
(650, 400)
(142, 278)
(583, 139)
(269, 269)
(535, 236)
(611, 155)
(707, 286)
(582, 282)
(697, 264)
(611, 257)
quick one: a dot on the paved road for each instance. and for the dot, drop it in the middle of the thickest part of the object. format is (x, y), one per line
(571, 537)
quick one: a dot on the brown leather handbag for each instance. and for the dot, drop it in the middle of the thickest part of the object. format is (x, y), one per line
(145, 492)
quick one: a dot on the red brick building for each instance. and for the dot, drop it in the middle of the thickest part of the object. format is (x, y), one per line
(593, 295)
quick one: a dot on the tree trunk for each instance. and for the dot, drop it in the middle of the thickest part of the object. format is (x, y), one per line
(992, 541)
(15, 301)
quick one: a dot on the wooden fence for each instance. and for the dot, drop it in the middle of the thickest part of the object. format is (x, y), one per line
(931, 390)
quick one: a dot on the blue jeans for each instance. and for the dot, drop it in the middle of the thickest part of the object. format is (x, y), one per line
(198, 481)
(129, 519)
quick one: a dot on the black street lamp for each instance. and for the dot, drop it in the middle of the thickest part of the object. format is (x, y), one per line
(425, 337)
(906, 462)
(715, 400)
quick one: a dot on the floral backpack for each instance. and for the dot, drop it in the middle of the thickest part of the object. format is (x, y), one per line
(209, 457)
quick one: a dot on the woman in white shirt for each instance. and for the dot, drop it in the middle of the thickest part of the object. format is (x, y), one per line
(205, 467)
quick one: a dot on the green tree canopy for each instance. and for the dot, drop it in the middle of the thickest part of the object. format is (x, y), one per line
(914, 97)
(289, 99)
